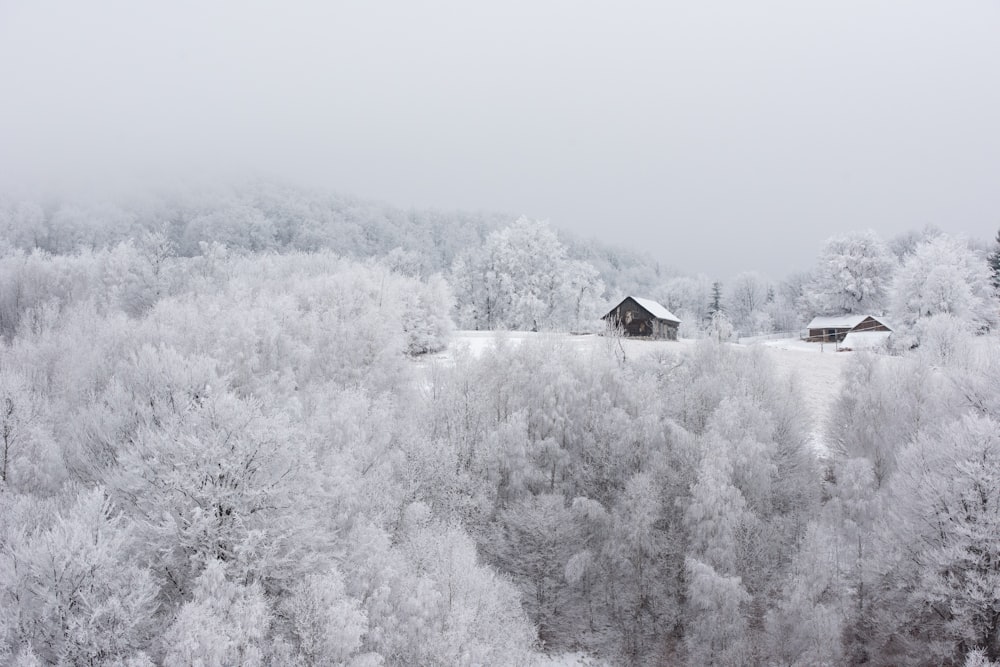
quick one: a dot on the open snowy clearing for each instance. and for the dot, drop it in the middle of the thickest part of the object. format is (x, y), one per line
(815, 367)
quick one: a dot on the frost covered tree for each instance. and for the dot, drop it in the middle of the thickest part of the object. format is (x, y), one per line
(716, 623)
(225, 623)
(882, 405)
(642, 564)
(805, 626)
(940, 542)
(690, 298)
(746, 298)
(534, 546)
(994, 261)
(75, 593)
(206, 475)
(328, 625)
(715, 304)
(720, 327)
(476, 613)
(943, 275)
(715, 512)
(237, 225)
(522, 278)
(137, 274)
(28, 457)
(853, 275)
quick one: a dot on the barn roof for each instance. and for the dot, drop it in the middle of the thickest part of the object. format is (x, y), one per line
(836, 322)
(843, 321)
(653, 308)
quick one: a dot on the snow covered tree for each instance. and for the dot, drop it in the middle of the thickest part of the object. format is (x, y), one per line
(716, 627)
(78, 594)
(994, 262)
(940, 539)
(805, 627)
(745, 301)
(225, 623)
(882, 405)
(327, 624)
(426, 314)
(715, 513)
(977, 381)
(720, 328)
(534, 546)
(138, 274)
(641, 557)
(945, 342)
(209, 476)
(902, 245)
(690, 298)
(29, 459)
(237, 225)
(522, 278)
(469, 614)
(853, 275)
(943, 275)
(715, 305)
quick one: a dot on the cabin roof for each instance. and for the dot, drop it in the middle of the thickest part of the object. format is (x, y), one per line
(652, 307)
(836, 321)
(655, 309)
(842, 321)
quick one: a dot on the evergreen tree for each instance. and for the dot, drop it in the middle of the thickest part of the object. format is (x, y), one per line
(716, 304)
(994, 259)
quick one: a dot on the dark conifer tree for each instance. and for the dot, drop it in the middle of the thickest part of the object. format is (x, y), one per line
(994, 260)
(716, 305)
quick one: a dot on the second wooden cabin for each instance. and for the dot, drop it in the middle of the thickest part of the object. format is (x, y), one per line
(833, 329)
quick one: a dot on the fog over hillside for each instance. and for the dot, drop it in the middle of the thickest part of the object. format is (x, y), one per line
(719, 138)
(547, 334)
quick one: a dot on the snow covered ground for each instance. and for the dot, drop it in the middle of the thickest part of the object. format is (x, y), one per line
(817, 367)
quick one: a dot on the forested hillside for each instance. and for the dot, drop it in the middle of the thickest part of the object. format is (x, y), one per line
(263, 216)
(224, 442)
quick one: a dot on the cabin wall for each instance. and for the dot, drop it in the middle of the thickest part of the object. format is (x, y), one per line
(666, 330)
(636, 322)
(828, 335)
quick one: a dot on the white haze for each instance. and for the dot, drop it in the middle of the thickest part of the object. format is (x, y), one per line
(719, 137)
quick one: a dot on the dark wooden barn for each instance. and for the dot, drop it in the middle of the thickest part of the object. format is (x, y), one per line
(834, 329)
(643, 318)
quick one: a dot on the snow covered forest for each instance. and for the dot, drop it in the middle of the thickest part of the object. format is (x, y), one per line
(238, 427)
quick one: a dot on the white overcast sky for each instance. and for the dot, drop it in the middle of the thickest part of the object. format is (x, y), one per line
(719, 136)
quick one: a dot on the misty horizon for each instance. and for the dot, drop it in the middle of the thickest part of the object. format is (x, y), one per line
(717, 139)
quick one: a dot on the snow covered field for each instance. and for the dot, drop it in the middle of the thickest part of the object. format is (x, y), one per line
(816, 368)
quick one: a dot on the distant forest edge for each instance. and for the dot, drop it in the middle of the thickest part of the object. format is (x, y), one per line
(505, 272)
(262, 217)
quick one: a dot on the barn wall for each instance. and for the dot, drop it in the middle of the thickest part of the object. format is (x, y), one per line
(827, 335)
(641, 324)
